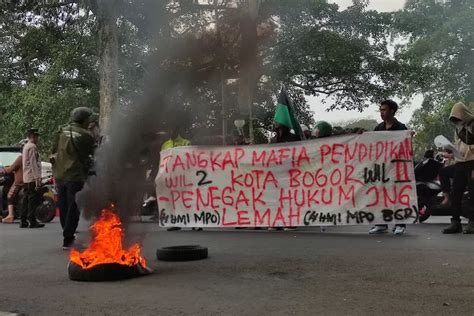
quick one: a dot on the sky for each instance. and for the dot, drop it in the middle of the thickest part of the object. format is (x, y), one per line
(336, 117)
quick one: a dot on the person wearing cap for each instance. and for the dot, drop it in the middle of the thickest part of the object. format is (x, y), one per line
(72, 161)
(32, 181)
(388, 109)
(322, 129)
(17, 169)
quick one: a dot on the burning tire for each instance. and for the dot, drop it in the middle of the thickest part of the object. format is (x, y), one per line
(105, 272)
(182, 253)
(106, 259)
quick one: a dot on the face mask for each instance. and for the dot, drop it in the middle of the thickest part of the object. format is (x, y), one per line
(458, 124)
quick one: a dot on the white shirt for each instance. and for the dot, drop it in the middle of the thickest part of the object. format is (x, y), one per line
(31, 163)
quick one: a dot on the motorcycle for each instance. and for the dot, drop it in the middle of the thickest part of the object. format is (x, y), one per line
(45, 212)
(428, 188)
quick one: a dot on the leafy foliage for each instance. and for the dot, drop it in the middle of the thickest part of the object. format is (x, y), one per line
(438, 51)
(429, 123)
(342, 54)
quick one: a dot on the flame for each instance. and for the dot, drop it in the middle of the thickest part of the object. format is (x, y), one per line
(106, 245)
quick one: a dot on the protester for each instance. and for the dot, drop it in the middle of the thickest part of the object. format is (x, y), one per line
(462, 117)
(17, 169)
(175, 140)
(388, 109)
(72, 161)
(32, 181)
(306, 131)
(283, 122)
(322, 129)
(94, 130)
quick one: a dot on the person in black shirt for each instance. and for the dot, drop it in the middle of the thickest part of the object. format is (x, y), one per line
(388, 108)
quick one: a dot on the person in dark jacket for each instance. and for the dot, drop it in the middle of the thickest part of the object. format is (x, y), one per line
(388, 109)
(72, 160)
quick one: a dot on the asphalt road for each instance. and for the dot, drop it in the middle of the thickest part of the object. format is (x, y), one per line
(341, 272)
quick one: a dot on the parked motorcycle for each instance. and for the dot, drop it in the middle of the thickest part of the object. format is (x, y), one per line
(45, 212)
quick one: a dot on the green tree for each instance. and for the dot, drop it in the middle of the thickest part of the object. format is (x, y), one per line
(324, 51)
(48, 66)
(438, 50)
(428, 124)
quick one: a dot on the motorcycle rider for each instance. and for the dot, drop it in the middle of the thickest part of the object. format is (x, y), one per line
(17, 169)
(72, 162)
(463, 119)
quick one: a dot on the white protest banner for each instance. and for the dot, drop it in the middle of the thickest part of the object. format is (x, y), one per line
(346, 180)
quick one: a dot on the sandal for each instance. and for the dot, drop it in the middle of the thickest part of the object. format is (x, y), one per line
(8, 220)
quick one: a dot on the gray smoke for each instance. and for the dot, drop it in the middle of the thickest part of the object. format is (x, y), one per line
(132, 145)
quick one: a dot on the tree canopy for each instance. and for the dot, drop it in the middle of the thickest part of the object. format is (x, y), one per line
(52, 57)
(437, 50)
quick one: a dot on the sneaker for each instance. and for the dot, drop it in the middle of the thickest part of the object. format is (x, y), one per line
(24, 224)
(68, 243)
(36, 225)
(379, 229)
(172, 229)
(469, 230)
(275, 228)
(454, 228)
(290, 228)
(198, 229)
(399, 230)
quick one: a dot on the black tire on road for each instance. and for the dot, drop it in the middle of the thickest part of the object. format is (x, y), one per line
(425, 205)
(105, 272)
(182, 253)
(46, 211)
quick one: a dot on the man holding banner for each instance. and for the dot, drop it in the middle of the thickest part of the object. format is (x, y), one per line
(284, 121)
(388, 108)
(357, 179)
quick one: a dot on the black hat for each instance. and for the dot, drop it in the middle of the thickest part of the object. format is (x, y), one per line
(32, 131)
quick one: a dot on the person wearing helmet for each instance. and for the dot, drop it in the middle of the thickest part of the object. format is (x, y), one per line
(17, 169)
(322, 129)
(72, 161)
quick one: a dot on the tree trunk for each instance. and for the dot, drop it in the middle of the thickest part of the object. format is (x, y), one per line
(108, 53)
(248, 61)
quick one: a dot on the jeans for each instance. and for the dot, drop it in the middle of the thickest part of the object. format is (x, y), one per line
(68, 211)
(31, 201)
(462, 177)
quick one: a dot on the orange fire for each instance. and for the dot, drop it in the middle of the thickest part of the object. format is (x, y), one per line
(106, 245)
